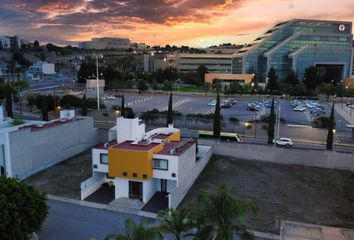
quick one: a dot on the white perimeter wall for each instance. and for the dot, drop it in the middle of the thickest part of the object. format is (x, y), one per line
(96, 160)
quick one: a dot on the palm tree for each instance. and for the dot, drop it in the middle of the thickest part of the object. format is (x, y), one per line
(176, 223)
(220, 215)
(135, 231)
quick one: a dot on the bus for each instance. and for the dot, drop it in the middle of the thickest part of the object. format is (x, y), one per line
(224, 136)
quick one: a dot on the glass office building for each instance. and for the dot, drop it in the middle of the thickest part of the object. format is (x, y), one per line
(296, 45)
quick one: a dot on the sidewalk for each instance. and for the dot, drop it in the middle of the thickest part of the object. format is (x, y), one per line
(345, 112)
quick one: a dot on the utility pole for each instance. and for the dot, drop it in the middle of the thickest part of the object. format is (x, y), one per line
(278, 119)
(97, 56)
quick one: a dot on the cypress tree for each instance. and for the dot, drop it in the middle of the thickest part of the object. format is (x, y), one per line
(331, 127)
(217, 123)
(271, 124)
(170, 111)
(8, 105)
(122, 107)
(84, 106)
(44, 108)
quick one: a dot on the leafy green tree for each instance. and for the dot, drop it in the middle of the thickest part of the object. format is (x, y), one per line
(206, 87)
(176, 223)
(154, 85)
(84, 106)
(254, 83)
(122, 107)
(170, 111)
(202, 70)
(331, 129)
(142, 85)
(135, 231)
(87, 70)
(31, 101)
(167, 86)
(219, 215)
(44, 108)
(70, 101)
(328, 89)
(290, 82)
(272, 84)
(217, 119)
(22, 211)
(36, 44)
(271, 123)
(311, 78)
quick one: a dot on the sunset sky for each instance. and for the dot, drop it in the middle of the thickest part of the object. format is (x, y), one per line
(197, 23)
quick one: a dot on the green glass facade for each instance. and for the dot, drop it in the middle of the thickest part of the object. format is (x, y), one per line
(295, 46)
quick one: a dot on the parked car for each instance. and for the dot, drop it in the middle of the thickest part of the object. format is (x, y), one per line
(212, 103)
(299, 109)
(233, 102)
(286, 142)
(225, 105)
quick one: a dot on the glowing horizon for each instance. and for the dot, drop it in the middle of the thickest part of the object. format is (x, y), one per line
(196, 23)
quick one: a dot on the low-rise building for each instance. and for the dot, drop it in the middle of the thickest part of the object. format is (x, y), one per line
(225, 78)
(215, 63)
(10, 42)
(91, 87)
(106, 43)
(147, 165)
(36, 145)
(40, 71)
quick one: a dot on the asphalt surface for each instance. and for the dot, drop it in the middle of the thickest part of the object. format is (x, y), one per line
(67, 221)
(191, 105)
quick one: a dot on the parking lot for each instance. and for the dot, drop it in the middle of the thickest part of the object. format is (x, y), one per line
(189, 104)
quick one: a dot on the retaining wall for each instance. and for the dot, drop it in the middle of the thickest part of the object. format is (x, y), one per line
(273, 154)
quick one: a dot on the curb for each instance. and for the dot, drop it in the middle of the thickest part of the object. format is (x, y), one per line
(102, 206)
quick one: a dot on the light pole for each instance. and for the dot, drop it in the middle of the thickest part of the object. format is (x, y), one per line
(97, 56)
(278, 123)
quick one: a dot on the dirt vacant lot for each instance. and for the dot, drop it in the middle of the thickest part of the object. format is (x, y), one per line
(64, 179)
(305, 194)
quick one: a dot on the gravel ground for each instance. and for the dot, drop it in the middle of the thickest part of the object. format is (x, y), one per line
(304, 194)
(64, 179)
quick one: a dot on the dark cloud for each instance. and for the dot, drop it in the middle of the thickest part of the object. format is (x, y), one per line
(44, 17)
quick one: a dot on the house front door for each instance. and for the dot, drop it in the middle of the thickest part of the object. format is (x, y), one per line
(136, 190)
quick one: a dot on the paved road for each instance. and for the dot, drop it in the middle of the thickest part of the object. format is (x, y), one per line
(67, 221)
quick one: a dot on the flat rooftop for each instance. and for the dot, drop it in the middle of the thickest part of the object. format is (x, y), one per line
(105, 145)
(59, 122)
(177, 148)
(161, 136)
(130, 145)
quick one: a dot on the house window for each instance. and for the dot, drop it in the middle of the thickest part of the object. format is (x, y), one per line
(103, 158)
(160, 164)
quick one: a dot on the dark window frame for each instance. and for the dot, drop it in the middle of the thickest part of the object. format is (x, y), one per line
(158, 159)
(101, 158)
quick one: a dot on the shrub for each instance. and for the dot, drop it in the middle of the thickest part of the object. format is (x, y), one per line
(16, 122)
(234, 120)
(321, 122)
(92, 103)
(71, 101)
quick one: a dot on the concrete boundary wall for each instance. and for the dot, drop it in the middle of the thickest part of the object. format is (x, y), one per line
(92, 184)
(273, 154)
(176, 197)
(33, 151)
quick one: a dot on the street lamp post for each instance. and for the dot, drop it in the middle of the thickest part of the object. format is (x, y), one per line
(97, 56)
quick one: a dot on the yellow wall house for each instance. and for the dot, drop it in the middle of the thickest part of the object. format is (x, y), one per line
(146, 165)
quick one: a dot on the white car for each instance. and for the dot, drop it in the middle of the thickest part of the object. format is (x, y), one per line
(287, 142)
